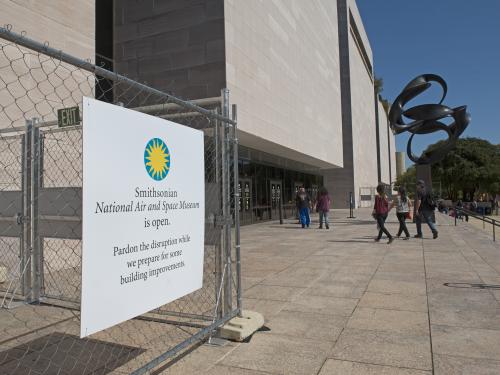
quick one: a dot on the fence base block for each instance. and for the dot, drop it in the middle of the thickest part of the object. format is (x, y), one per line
(239, 328)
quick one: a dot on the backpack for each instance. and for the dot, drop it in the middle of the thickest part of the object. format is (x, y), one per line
(431, 202)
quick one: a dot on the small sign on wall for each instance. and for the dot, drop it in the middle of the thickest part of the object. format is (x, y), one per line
(68, 116)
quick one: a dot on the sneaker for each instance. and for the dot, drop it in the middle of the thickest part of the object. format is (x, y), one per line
(435, 235)
(320, 227)
(406, 238)
(391, 240)
(417, 236)
(377, 239)
(327, 227)
(303, 226)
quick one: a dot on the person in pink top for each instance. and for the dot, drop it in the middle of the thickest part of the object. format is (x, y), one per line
(323, 207)
(380, 211)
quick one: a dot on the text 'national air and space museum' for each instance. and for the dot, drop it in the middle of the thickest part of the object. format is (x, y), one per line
(301, 74)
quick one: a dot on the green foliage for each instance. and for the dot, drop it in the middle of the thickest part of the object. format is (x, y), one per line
(386, 104)
(378, 84)
(408, 180)
(472, 167)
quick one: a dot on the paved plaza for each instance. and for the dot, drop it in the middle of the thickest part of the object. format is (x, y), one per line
(336, 302)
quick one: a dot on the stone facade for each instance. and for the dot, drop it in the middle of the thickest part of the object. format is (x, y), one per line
(65, 25)
(384, 133)
(392, 156)
(176, 46)
(359, 123)
(283, 72)
(363, 121)
(31, 84)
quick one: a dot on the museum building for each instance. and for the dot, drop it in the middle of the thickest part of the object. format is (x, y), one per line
(300, 72)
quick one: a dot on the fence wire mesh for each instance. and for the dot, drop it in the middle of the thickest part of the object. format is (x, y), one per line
(40, 220)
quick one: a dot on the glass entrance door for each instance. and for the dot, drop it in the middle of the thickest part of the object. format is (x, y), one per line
(245, 201)
(276, 187)
(296, 187)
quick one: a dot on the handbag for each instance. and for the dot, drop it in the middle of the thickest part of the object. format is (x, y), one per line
(408, 215)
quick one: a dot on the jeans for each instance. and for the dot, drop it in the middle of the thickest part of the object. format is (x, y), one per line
(402, 224)
(304, 216)
(323, 218)
(427, 217)
(381, 225)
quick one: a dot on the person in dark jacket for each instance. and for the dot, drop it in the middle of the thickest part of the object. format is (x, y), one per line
(323, 207)
(303, 203)
(380, 212)
(424, 207)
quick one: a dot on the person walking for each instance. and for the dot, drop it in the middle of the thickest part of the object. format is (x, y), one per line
(323, 207)
(459, 212)
(303, 203)
(380, 211)
(403, 206)
(424, 207)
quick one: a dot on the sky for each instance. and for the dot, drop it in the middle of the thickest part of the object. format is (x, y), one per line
(456, 39)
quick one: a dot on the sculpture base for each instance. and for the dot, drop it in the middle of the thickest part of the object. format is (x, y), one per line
(424, 174)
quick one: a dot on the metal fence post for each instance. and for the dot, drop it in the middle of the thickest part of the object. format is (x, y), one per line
(226, 205)
(36, 261)
(218, 178)
(26, 214)
(237, 210)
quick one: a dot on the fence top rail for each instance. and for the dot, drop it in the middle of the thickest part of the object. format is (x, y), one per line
(22, 40)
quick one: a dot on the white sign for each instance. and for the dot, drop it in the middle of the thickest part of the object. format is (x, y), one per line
(143, 214)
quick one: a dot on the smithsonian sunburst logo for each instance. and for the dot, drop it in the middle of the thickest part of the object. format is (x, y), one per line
(157, 159)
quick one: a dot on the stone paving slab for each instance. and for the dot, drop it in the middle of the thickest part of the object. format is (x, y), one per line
(399, 302)
(336, 367)
(278, 354)
(445, 364)
(337, 303)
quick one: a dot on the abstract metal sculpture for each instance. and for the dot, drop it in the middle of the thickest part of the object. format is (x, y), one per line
(427, 118)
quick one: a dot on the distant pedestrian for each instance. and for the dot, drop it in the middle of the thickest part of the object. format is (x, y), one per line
(323, 207)
(474, 206)
(424, 208)
(303, 203)
(297, 206)
(380, 212)
(460, 212)
(403, 206)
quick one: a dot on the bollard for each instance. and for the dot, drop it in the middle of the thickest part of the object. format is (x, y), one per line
(351, 208)
(494, 224)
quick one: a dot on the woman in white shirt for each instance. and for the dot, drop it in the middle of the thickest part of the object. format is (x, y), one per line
(403, 207)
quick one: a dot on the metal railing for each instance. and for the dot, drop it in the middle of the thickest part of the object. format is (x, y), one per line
(485, 219)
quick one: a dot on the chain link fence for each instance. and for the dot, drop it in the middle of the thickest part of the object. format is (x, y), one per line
(41, 217)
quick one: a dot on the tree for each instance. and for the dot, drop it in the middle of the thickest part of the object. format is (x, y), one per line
(408, 180)
(378, 85)
(472, 167)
